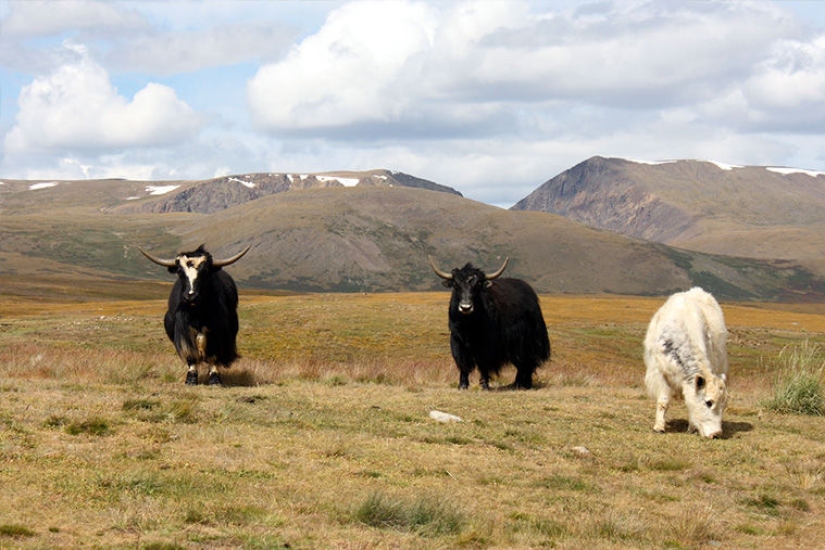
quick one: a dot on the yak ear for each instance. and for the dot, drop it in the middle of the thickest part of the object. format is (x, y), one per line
(173, 268)
(449, 283)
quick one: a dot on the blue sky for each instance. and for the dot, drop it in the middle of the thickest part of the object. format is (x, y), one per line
(492, 98)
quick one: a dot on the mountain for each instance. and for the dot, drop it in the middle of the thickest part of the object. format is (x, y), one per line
(750, 211)
(368, 237)
(217, 194)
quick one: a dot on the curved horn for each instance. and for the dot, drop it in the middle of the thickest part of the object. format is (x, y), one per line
(498, 273)
(443, 274)
(232, 260)
(159, 261)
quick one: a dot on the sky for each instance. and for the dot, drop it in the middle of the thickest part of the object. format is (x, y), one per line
(491, 98)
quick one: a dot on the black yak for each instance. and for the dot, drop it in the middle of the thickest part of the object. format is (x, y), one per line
(202, 317)
(493, 322)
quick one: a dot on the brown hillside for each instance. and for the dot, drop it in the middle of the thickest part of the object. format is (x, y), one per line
(742, 211)
(363, 238)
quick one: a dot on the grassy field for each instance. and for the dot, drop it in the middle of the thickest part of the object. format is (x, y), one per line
(322, 436)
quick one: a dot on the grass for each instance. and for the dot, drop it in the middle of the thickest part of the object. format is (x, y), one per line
(322, 436)
(427, 515)
(800, 384)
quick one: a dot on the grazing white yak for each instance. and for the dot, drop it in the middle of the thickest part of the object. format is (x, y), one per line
(685, 355)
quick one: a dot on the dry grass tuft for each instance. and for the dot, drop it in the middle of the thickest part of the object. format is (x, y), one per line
(800, 383)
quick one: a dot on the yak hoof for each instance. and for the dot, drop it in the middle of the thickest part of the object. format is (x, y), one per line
(191, 378)
(214, 379)
(463, 386)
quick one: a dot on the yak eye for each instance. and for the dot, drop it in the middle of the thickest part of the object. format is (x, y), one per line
(700, 382)
(709, 403)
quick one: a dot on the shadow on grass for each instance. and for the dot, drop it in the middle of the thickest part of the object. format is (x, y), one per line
(729, 429)
(230, 378)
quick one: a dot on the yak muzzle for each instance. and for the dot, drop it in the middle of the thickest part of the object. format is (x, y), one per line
(191, 297)
(465, 308)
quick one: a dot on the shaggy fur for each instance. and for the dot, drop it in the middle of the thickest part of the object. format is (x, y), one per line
(202, 317)
(494, 322)
(686, 357)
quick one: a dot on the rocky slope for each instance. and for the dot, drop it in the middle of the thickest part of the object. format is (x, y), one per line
(209, 196)
(758, 212)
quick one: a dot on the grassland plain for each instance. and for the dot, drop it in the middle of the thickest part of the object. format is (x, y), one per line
(322, 439)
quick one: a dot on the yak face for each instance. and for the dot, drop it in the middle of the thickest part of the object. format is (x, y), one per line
(193, 270)
(705, 398)
(467, 284)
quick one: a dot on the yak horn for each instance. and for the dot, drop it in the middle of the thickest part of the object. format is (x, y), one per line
(443, 274)
(232, 260)
(500, 270)
(159, 261)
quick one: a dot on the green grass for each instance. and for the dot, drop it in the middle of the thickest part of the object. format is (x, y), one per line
(800, 384)
(428, 515)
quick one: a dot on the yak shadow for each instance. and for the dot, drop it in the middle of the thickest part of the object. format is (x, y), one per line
(231, 378)
(513, 387)
(729, 429)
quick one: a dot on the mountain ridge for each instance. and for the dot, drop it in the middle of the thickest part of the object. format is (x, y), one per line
(760, 212)
(360, 238)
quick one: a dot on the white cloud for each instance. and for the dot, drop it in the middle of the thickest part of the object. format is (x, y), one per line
(784, 92)
(30, 18)
(76, 107)
(473, 65)
(490, 97)
(350, 72)
(184, 51)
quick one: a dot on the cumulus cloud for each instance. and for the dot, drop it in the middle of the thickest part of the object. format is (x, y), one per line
(76, 107)
(351, 71)
(491, 97)
(472, 66)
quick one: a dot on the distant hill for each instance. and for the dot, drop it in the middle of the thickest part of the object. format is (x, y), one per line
(750, 211)
(373, 236)
(216, 194)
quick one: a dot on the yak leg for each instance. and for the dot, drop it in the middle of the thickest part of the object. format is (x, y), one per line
(214, 377)
(524, 376)
(661, 409)
(484, 380)
(463, 380)
(524, 380)
(192, 374)
(464, 361)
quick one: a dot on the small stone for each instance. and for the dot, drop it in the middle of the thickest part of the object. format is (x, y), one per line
(583, 452)
(443, 417)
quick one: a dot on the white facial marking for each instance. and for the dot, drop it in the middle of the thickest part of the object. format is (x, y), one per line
(190, 269)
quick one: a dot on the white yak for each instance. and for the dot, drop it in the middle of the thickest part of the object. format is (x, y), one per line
(685, 354)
